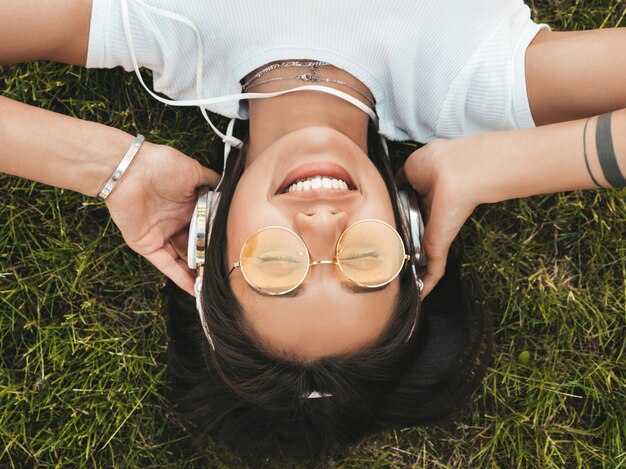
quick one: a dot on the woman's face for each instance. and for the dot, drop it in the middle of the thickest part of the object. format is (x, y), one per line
(325, 315)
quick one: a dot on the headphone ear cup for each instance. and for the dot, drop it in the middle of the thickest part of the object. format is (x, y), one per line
(197, 231)
(200, 227)
(413, 223)
(212, 203)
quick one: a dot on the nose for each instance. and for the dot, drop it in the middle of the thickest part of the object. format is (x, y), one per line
(320, 229)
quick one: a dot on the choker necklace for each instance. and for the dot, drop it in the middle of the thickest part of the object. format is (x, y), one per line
(311, 76)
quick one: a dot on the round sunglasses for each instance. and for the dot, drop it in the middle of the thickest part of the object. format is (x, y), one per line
(275, 260)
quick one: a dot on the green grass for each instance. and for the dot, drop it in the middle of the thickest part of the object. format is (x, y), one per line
(83, 337)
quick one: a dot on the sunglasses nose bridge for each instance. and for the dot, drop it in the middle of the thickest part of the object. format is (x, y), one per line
(322, 262)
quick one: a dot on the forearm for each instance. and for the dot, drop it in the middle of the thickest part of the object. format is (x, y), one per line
(552, 158)
(58, 150)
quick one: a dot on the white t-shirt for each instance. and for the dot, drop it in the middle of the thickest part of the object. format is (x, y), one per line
(437, 68)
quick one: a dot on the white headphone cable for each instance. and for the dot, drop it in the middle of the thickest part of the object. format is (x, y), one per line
(228, 139)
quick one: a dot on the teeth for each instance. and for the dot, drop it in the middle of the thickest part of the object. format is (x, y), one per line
(317, 183)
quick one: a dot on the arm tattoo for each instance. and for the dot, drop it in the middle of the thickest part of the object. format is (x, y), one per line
(595, 181)
(606, 152)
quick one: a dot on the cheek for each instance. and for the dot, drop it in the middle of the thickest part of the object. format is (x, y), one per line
(249, 211)
(233, 246)
(240, 214)
(379, 205)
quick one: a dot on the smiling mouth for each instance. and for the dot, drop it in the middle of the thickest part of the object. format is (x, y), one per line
(318, 183)
(317, 177)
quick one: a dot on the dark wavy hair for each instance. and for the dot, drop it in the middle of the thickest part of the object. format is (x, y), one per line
(251, 399)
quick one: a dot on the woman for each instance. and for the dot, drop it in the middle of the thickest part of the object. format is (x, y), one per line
(454, 176)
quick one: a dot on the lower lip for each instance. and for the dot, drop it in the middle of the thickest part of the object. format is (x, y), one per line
(307, 170)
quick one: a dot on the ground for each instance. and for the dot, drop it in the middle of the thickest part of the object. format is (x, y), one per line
(83, 336)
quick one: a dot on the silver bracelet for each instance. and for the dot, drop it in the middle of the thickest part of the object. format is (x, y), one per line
(121, 168)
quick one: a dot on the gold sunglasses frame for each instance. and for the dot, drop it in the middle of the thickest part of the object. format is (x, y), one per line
(311, 263)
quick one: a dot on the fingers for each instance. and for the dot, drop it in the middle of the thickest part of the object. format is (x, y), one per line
(179, 243)
(173, 268)
(435, 269)
(444, 224)
(208, 177)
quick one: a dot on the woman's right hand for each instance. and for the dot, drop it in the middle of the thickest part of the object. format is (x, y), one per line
(152, 206)
(436, 172)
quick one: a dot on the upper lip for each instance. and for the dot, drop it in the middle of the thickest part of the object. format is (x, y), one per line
(328, 169)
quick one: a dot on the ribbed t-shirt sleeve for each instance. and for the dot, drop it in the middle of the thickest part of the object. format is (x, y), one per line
(490, 91)
(107, 42)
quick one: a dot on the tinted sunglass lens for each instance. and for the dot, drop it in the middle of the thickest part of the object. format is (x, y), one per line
(370, 253)
(274, 260)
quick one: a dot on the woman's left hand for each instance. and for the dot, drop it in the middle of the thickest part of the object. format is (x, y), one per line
(152, 206)
(436, 171)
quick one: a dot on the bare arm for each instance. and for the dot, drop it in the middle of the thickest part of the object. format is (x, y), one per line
(576, 74)
(42, 145)
(153, 202)
(151, 205)
(581, 154)
(574, 81)
(44, 30)
(58, 150)
(455, 176)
